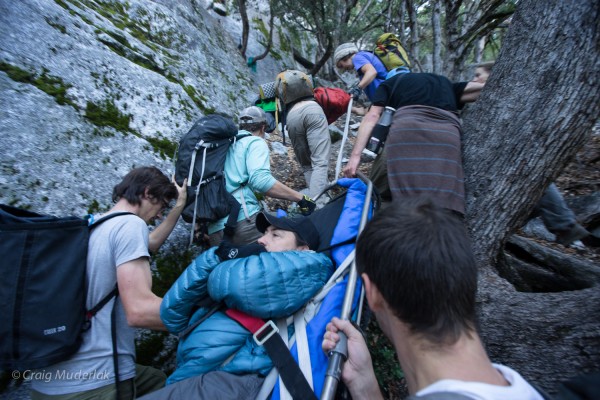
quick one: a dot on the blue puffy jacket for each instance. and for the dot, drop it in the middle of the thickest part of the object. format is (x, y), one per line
(268, 285)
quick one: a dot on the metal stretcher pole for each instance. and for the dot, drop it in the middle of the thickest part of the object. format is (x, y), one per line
(339, 354)
(338, 165)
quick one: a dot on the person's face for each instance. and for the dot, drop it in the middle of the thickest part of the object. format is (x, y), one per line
(276, 239)
(345, 63)
(481, 75)
(151, 209)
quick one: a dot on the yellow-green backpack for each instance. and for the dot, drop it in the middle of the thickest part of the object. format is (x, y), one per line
(390, 51)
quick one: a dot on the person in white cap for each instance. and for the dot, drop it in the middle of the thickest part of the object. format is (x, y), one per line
(248, 171)
(369, 68)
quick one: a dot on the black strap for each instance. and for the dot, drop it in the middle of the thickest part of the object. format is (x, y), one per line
(113, 328)
(193, 326)
(344, 242)
(115, 292)
(286, 365)
(113, 335)
(94, 310)
(234, 212)
(113, 315)
(107, 217)
(241, 136)
(397, 52)
(283, 121)
(266, 335)
(20, 293)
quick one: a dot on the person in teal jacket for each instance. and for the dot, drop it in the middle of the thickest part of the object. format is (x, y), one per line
(248, 171)
(270, 282)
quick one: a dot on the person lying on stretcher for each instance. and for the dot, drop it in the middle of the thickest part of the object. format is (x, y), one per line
(270, 279)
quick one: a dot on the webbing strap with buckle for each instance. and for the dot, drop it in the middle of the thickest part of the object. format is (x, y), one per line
(266, 334)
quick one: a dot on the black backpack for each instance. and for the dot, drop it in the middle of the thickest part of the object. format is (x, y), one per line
(201, 158)
(43, 288)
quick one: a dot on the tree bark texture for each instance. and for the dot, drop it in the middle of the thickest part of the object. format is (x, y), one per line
(414, 49)
(245, 27)
(465, 22)
(270, 38)
(536, 111)
(437, 37)
(532, 267)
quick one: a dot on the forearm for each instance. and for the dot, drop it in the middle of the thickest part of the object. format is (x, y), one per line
(366, 387)
(146, 315)
(281, 191)
(164, 229)
(369, 75)
(471, 92)
(364, 133)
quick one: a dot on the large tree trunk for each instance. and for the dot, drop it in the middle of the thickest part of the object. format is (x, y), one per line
(245, 27)
(414, 48)
(270, 38)
(538, 108)
(436, 11)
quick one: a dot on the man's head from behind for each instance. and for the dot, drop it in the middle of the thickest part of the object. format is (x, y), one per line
(253, 119)
(418, 257)
(284, 234)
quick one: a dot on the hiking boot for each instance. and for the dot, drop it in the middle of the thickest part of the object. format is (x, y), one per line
(577, 232)
(578, 245)
(591, 240)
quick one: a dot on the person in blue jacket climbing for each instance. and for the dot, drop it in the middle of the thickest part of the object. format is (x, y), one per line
(270, 280)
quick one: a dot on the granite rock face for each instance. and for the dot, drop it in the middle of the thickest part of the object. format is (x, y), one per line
(91, 88)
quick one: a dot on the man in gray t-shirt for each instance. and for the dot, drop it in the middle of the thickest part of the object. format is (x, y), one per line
(118, 254)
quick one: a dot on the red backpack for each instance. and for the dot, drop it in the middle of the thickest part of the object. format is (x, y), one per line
(334, 102)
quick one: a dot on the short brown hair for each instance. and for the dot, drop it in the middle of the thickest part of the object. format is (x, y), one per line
(135, 183)
(419, 257)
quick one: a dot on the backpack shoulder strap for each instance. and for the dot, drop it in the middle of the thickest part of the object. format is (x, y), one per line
(94, 310)
(94, 224)
(115, 292)
(241, 136)
(112, 294)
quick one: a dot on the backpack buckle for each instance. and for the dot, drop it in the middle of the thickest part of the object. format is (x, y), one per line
(87, 324)
(265, 332)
